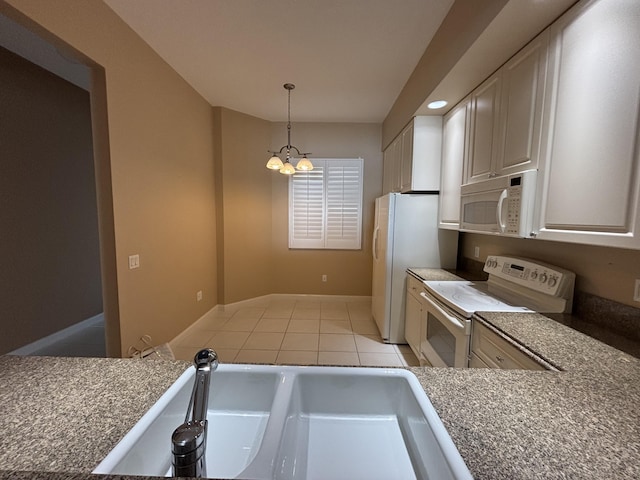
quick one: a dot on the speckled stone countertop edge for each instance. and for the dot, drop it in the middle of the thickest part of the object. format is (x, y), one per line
(516, 424)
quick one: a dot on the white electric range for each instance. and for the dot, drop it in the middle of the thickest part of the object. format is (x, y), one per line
(514, 285)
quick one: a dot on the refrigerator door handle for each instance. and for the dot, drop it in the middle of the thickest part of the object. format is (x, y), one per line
(375, 243)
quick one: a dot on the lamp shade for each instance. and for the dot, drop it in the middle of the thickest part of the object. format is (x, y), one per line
(274, 163)
(304, 165)
(287, 169)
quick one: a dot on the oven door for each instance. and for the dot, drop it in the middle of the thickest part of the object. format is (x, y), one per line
(445, 342)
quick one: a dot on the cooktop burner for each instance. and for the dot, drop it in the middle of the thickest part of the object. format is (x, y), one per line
(467, 297)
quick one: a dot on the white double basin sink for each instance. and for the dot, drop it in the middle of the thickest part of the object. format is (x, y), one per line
(288, 423)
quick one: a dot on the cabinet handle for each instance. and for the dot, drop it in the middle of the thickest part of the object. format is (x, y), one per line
(499, 358)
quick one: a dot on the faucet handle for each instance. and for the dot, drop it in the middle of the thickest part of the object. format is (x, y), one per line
(205, 357)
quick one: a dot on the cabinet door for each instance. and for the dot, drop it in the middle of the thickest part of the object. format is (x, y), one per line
(412, 324)
(397, 164)
(454, 148)
(387, 171)
(591, 188)
(523, 83)
(485, 105)
(406, 163)
(391, 167)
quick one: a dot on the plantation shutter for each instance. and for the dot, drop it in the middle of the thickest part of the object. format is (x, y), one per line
(325, 205)
(343, 204)
(306, 209)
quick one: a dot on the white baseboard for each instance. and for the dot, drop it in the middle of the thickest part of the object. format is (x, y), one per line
(257, 301)
(58, 336)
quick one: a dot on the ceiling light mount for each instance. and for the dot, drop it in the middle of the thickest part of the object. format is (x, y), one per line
(437, 104)
(275, 162)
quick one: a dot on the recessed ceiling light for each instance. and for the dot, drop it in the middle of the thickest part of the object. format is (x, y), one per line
(437, 104)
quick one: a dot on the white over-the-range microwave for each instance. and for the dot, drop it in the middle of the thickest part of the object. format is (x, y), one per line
(501, 205)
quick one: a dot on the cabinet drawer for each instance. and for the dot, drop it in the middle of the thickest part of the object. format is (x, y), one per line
(496, 352)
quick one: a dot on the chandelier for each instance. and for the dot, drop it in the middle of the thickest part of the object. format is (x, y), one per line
(275, 162)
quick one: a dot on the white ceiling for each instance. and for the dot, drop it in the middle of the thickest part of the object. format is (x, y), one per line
(349, 59)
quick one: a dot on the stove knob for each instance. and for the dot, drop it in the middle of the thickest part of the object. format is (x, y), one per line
(553, 281)
(534, 275)
(543, 278)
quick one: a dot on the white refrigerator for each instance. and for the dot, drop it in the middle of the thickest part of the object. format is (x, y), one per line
(405, 235)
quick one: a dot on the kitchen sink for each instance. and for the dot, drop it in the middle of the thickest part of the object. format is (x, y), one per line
(287, 422)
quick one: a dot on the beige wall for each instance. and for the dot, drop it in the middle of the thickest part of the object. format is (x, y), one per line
(160, 147)
(49, 252)
(348, 271)
(605, 272)
(463, 24)
(243, 206)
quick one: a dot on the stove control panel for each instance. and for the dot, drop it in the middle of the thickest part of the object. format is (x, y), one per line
(537, 276)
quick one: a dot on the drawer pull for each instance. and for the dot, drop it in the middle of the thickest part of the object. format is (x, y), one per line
(499, 358)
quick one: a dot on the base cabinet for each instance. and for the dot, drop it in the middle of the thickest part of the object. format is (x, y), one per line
(475, 362)
(414, 324)
(492, 351)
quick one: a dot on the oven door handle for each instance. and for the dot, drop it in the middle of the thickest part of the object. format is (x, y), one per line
(449, 317)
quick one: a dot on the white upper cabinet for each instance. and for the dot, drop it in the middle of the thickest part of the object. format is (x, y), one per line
(506, 113)
(406, 169)
(484, 131)
(391, 180)
(412, 160)
(590, 192)
(523, 83)
(455, 138)
(421, 154)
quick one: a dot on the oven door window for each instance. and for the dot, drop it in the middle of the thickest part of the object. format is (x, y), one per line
(441, 340)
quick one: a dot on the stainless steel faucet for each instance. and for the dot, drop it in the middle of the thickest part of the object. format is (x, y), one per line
(189, 440)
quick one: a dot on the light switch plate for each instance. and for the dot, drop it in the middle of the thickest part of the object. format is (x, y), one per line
(134, 261)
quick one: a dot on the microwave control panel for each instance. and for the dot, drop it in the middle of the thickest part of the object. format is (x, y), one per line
(514, 206)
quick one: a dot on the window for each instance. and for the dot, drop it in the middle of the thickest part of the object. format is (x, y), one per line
(325, 205)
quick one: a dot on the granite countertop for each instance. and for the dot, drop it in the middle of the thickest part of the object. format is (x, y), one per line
(582, 422)
(433, 274)
(63, 415)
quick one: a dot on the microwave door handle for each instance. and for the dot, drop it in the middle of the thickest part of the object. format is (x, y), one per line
(450, 318)
(501, 199)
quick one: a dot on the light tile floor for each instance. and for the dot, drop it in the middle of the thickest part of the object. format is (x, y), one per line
(301, 332)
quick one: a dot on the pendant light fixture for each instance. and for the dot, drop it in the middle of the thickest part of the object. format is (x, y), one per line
(275, 162)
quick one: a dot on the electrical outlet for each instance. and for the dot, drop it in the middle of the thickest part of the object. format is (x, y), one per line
(476, 252)
(636, 292)
(134, 261)
(324, 278)
(199, 295)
